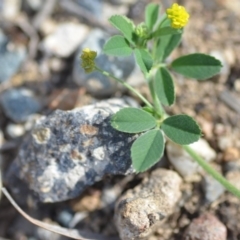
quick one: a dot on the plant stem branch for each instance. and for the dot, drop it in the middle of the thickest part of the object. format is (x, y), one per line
(127, 86)
(211, 171)
(188, 149)
(156, 102)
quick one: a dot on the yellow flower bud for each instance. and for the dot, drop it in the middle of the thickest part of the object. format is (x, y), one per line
(178, 16)
(141, 30)
(88, 60)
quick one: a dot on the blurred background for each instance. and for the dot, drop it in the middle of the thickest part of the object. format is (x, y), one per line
(40, 45)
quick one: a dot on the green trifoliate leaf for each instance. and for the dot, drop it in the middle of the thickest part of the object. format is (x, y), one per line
(151, 15)
(144, 60)
(181, 129)
(197, 65)
(147, 150)
(164, 87)
(117, 46)
(124, 25)
(133, 120)
(166, 31)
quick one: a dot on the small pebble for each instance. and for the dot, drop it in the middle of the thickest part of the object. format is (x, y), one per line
(232, 166)
(182, 161)
(110, 195)
(212, 188)
(234, 178)
(231, 154)
(65, 39)
(31, 121)
(44, 234)
(64, 217)
(225, 142)
(11, 58)
(19, 104)
(206, 227)
(225, 70)
(237, 85)
(10, 9)
(88, 203)
(15, 130)
(141, 210)
(78, 217)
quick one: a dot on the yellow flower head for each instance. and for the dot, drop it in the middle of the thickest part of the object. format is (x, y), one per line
(178, 16)
(88, 60)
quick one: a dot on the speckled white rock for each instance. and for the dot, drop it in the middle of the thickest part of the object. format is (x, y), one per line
(140, 210)
(183, 162)
(68, 151)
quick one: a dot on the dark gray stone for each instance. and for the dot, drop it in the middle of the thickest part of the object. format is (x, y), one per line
(70, 150)
(96, 83)
(10, 58)
(19, 104)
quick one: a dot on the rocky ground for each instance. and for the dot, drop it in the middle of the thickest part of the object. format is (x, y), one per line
(98, 193)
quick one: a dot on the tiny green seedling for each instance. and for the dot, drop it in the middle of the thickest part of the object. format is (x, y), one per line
(151, 42)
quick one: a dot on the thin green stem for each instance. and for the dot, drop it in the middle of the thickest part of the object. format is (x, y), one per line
(156, 102)
(127, 86)
(154, 49)
(211, 171)
(159, 65)
(163, 21)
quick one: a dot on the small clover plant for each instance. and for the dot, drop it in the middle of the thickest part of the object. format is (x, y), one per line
(151, 42)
